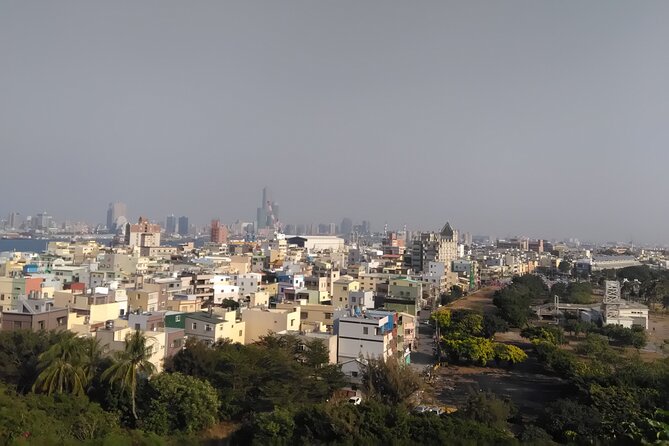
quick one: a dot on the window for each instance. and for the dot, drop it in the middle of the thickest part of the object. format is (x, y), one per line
(137, 327)
(328, 316)
(41, 325)
(304, 315)
(177, 318)
(365, 330)
(354, 374)
(207, 327)
(240, 332)
(60, 321)
(194, 326)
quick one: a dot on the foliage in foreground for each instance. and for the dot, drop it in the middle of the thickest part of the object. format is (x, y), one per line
(368, 424)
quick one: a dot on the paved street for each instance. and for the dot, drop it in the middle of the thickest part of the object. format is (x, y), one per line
(422, 356)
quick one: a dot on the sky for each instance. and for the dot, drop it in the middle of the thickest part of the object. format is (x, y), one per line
(537, 118)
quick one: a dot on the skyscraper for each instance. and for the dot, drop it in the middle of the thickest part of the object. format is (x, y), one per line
(346, 226)
(115, 210)
(183, 226)
(14, 220)
(171, 224)
(267, 215)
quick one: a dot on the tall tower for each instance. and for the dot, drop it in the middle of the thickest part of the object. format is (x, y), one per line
(267, 215)
(611, 303)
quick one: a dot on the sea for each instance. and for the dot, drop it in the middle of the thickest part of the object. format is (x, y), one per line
(39, 245)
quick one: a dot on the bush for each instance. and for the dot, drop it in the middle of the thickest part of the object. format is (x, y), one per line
(180, 403)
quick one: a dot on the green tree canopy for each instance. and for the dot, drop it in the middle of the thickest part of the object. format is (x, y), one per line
(180, 403)
(131, 365)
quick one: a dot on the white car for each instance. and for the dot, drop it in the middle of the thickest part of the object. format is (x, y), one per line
(436, 410)
(421, 409)
(355, 400)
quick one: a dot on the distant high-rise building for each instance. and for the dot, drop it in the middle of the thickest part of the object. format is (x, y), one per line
(43, 221)
(267, 215)
(183, 226)
(289, 229)
(366, 227)
(115, 210)
(218, 232)
(13, 222)
(346, 226)
(300, 230)
(171, 224)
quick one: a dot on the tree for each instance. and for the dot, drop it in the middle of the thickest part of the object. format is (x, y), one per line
(465, 323)
(389, 381)
(559, 289)
(180, 403)
(508, 353)
(131, 365)
(19, 355)
(494, 324)
(68, 366)
(274, 427)
(486, 408)
(456, 292)
(568, 420)
(230, 304)
(551, 334)
(442, 317)
(471, 349)
(564, 267)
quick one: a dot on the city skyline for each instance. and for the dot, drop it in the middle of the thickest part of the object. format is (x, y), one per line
(546, 118)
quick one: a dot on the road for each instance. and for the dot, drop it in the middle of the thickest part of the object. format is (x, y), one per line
(422, 355)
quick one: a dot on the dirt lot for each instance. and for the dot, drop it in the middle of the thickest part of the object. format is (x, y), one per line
(480, 300)
(524, 384)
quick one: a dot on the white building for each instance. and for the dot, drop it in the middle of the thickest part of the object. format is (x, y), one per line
(224, 288)
(248, 283)
(360, 336)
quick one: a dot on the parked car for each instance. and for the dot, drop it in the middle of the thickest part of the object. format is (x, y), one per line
(355, 400)
(436, 410)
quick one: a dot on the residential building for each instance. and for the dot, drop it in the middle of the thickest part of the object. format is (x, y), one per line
(263, 321)
(142, 234)
(34, 314)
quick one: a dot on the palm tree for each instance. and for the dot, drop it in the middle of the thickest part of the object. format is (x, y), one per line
(131, 364)
(64, 368)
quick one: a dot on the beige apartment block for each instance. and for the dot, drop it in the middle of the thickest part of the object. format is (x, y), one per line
(261, 322)
(341, 288)
(310, 314)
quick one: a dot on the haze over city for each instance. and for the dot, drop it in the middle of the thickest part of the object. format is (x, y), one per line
(545, 119)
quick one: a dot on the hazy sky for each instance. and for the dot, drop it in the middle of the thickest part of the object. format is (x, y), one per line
(504, 117)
